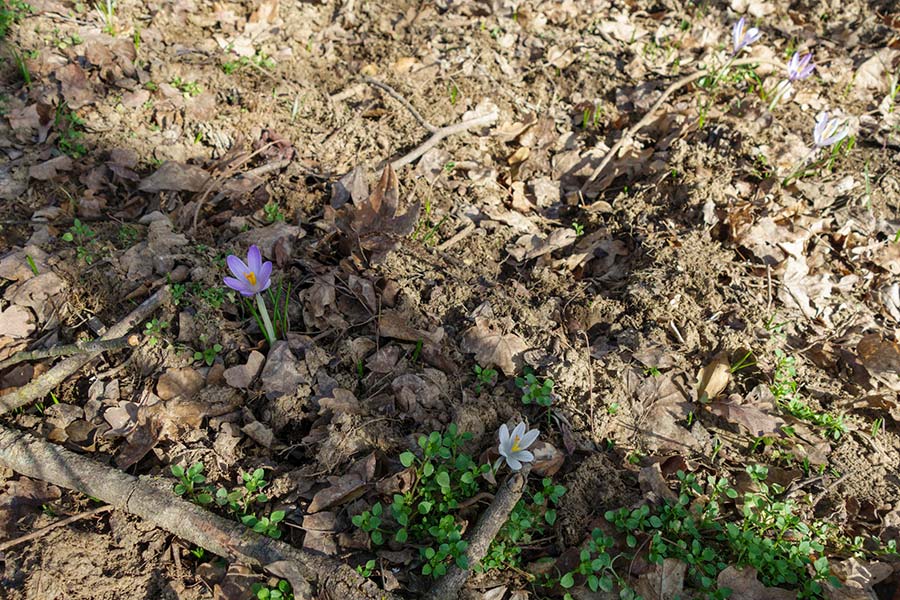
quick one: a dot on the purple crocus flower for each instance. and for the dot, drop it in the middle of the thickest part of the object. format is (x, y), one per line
(800, 67)
(251, 278)
(741, 38)
(829, 132)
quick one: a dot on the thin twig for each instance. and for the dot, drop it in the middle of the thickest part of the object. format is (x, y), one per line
(44, 384)
(648, 116)
(36, 534)
(442, 133)
(484, 532)
(406, 104)
(99, 345)
(460, 236)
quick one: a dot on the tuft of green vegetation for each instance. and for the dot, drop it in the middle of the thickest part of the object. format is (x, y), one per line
(273, 212)
(534, 389)
(785, 389)
(188, 89)
(486, 377)
(69, 127)
(12, 11)
(444, 476)
(80, 235)
(281, 591)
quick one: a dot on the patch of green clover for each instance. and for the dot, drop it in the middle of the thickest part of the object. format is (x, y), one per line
(281, 591)
(525, 524)
(241, 502)
(595, 567)
(486, 378)
(534, 389)
(769, 535)
(81, 235)
(444, 476)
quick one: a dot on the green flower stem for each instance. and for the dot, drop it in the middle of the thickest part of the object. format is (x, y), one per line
(267, 323)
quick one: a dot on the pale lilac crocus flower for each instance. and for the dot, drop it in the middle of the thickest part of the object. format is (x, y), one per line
(514, 447)
(800, 67)
(741, 37)
(829, 131)
(251, 279)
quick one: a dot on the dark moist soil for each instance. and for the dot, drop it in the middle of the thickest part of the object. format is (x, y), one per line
(689, 251)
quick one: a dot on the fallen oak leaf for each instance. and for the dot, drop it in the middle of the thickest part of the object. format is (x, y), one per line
(752, 418)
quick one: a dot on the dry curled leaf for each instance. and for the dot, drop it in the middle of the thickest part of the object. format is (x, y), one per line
(376, 223)
(493, 347)
(713, 378)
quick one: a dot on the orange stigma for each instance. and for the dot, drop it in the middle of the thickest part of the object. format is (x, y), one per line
(251, 277)
(515, 444)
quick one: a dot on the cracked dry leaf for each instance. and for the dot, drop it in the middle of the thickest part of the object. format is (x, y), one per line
(664, 403)
(881, 358)
(492, 347)
(664, 581)
(531, 246)
(746, 586)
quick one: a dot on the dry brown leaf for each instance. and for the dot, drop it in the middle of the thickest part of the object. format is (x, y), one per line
(547, 459)
(713, 378)
(756, 418)
(376, 223)
(16, 322)
(665, 581)
(341, 490)
(531, 246)
(746, 586)
(50, 169)
(241, 376)
(176, 177)
(493, 347)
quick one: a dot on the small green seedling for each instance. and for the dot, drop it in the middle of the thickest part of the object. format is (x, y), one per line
(273, 212)
(282, 591)
(208, 355)
(188, 89)
(191, 483)
(80, 234)
(366, 569)
(154, 331)
(486, 377)
(535, 390)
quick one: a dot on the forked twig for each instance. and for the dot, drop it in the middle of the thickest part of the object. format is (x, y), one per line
(99, 345)
(442, 133)
(44, 384)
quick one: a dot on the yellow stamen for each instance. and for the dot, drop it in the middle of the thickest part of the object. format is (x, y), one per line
(251, 277)
(515, 444)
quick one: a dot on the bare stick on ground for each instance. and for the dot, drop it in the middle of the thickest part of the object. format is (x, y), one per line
(152, 499)
(648, 117)
(484, 532)
(44, 530)
(99, 345)
(437, 133)
(44, 384)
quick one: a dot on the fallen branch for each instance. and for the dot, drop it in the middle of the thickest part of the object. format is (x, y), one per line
(99, 345)
(44, 384)
(484, 532)
(442, 133)
(62, 523)
(648, 117)
(406, 103)
(152, 500)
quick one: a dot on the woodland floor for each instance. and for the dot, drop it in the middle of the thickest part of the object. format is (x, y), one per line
(679, 302)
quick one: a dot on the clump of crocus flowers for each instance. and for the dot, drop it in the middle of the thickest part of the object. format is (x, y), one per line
(514, 446)
(742, 36)
(799, 67)
(251, 279)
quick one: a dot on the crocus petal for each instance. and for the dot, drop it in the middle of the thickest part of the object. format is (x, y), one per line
(737, 33)
(264, 275)
(513, 463)
(518, 432)
(525, 456)
(528, 438)
(239, 286)
(753, 34)
(504, 434)
(237, 266)
(254, 259)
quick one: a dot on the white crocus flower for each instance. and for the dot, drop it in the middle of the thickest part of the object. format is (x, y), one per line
(513, 447)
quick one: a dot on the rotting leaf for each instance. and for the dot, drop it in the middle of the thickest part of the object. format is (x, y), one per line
(493, 347)
(342, 489)
(175, 177)
(664, 581)
(881, 358)
(745, 585)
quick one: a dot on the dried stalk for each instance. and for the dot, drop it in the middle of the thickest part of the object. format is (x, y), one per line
(152, 500)
(442, 133)
(484, 532)
(99, 345)
(44, 384)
